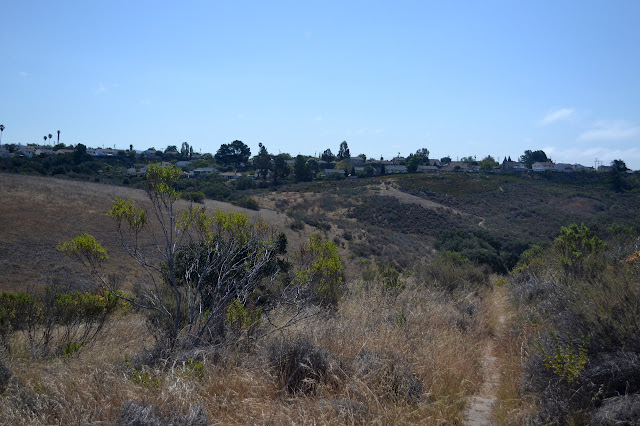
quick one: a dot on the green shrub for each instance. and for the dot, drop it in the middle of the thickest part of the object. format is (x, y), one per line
(320, 271)
(194, 196)
(247, 203)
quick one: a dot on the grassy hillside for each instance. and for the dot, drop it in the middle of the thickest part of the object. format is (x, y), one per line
(411, 335)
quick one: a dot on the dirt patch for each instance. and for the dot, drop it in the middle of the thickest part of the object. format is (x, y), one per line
(393, 191)
(578, 205)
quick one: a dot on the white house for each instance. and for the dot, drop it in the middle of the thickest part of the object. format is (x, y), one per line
(542, 166)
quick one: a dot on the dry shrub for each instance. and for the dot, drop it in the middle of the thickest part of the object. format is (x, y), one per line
(134, 414)
(622, 410)
(377, 358)
(299, 365)
(5, 375)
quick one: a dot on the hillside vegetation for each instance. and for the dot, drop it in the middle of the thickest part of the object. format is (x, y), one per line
(355, 301)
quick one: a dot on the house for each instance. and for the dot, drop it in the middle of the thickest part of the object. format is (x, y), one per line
(203, 171)
(455, 166)
(563, 167)
(230, 175)
(581, 168)
(427, 169)
(513, 166)
(542, 166)
(395, 169)
(327, 172)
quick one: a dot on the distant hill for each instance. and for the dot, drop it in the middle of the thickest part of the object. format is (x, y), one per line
(394, 219)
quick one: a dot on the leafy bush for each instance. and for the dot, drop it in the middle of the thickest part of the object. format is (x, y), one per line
(194, 196)
(584, 306)
(54, 318)
(247, 203)
(320, 271)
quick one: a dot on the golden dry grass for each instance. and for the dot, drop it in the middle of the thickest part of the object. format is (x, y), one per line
(418, 330)
(241, 388)
(36, 213)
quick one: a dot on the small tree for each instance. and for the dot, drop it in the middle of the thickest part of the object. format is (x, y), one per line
(263, 161)
(280, 167)
(202, 263)
(413, 162)
(327, 156)
(301, 170)
(343, 152)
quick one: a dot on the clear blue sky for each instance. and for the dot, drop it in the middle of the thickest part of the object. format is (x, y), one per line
(457, 77)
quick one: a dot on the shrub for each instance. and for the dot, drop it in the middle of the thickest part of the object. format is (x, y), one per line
(320, 271)
(135, 414)
(247, 203)
(391, 376)
(5, 375)
(586, 312)
(55, 318)
(299, 365)
(194, 196)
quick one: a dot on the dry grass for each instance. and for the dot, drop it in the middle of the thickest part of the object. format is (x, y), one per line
(412, 336)
(407, 356)
(36, 213)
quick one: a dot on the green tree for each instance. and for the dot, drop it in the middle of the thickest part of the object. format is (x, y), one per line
(58, 142)
(80, 154)
(234, 153)
(301, 170)
(343, 152)
(327, 156)
(423, 154)
(413, 162)
(1, 130)
(617, 174)
(529, 157)
(186, 151)
(445, 160)
(280, 167)
(488, 163)
(263, 161)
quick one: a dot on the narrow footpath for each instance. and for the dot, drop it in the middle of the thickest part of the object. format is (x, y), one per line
(480, 406)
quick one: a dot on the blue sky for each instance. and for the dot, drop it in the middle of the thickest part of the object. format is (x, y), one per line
(459, 78)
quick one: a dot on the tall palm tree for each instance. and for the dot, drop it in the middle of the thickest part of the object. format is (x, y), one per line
(45, 139)
(57, 143)
(1, 130)
(50, 137)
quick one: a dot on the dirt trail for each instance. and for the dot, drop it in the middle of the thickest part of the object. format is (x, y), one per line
(393, 191)
(479, 409)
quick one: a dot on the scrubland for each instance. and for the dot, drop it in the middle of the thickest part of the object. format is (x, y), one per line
(404, 339)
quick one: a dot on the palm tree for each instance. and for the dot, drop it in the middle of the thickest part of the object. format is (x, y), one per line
(1, 130)
(50, 137)
(45, 139)
(58, 143)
